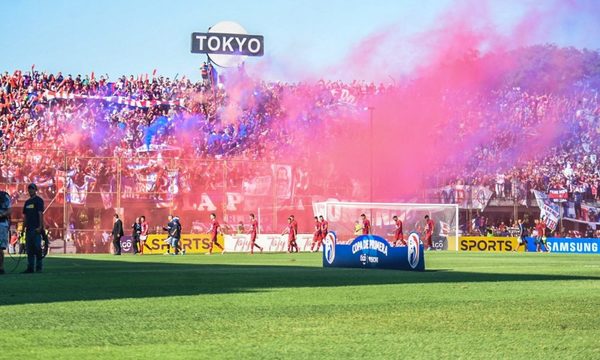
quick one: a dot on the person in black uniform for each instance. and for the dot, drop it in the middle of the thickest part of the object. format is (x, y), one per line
(135, 235)
(522, 239)
(33, 216)
(117, 233)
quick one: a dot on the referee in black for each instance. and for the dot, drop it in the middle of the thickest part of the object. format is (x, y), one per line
(33, 216)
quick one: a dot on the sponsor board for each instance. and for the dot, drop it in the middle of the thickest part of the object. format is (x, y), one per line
(127, 244)
(567, 245)
(269, 242)
(191, 243)
(439, 243)
(484, 243)
(373, 251)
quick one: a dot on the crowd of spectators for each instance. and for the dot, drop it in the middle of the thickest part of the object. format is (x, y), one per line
(540, 141)
(534, 142)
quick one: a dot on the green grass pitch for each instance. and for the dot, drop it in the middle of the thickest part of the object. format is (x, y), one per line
(282, 306)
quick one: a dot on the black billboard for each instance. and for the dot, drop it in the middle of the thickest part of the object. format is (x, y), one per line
(230, 44)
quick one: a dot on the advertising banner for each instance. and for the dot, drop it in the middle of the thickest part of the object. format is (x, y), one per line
(568, 245)
(372, 251)
(269, 242)
(126, 244)
(484, 243)
(191, 243)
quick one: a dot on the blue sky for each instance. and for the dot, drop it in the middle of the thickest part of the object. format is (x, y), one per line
(133, 37)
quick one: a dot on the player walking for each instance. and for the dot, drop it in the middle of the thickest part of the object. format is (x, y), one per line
(398, 232)
(541, 238)
(429, 225)
(253, 232)
(366, 225)
(291, 231)
(324, 230)
(173, 228)
(215, 228)
(316, 235)
(522, 239)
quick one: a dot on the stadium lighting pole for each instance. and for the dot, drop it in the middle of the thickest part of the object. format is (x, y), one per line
(371, 109)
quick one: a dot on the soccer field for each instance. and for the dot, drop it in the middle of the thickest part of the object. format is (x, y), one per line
(236, 306)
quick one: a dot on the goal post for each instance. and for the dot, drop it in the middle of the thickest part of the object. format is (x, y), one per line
(344, 219)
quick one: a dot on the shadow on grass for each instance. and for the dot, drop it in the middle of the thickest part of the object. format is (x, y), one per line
(75, 279)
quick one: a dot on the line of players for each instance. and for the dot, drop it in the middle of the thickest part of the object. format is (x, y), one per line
(322, 229)
(365, 229)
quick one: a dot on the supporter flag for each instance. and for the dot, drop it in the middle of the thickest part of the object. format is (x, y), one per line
(60, 185)
(548, 211)
(107, 197)
(77, 194)
(444, 229)
(558, 195)
(214, 76)
(283, 180)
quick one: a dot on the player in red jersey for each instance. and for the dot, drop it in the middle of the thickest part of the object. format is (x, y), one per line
(540, 239)
(366, 225)
(429, 225)
(253, 232)
(316, 235)
(290, 230)
(398, 233)
(295, 225)
(324, 230)
(215, 228)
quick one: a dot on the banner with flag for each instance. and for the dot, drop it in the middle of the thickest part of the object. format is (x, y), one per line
(558, 195)
(259, 186)
(549, 211)
(283, 180)
(123, 100)
(107, 197)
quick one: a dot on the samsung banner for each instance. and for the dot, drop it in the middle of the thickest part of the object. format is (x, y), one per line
(568, 245)
(372, 251)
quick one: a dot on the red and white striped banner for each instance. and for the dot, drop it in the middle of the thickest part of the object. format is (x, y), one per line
(64, 95)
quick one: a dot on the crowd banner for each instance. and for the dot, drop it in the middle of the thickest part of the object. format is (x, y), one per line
(269, 242)
(191, 243)
(491, 243)
(549, 211)
(373, 251)
(64, 95)
(567, 245)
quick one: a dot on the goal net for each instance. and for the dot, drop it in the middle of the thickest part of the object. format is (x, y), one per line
(345, 220)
